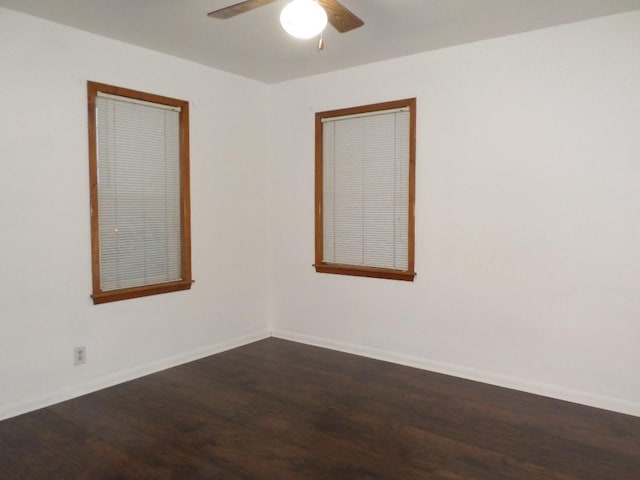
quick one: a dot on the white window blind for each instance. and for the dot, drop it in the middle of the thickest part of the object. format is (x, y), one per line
(366, 189)
(138, 150)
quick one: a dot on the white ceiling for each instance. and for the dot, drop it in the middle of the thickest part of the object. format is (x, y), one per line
(254, 45)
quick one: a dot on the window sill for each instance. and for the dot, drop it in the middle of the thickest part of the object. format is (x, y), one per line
(372, 272)
(127, 293)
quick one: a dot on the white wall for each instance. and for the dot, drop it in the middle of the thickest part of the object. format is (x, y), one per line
(45, 280)
(527, 214)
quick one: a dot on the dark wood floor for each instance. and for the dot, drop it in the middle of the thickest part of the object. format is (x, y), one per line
(280, 410)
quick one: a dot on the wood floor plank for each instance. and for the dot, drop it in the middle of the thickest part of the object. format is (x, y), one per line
(469, 420)
(464, 401)
(280, 410)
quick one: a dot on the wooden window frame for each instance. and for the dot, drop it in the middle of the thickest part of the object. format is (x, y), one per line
(100, 296)
(363, 271)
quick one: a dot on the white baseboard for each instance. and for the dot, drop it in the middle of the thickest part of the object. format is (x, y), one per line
(51, 398)
(548, 390)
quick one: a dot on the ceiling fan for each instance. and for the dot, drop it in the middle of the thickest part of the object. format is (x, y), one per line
(337, 14)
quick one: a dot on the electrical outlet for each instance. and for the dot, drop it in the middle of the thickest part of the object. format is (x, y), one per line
(79, 355)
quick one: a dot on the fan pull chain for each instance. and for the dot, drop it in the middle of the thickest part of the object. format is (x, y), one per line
(320, 43)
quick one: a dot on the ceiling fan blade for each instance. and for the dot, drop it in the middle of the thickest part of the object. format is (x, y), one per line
(238, 8)
(340, 17)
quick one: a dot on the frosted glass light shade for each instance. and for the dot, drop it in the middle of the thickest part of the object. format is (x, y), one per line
(303, 18)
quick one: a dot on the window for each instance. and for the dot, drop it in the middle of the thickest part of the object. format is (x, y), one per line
(139, 188)
(365, 190)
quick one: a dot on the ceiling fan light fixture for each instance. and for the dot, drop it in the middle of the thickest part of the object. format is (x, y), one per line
(303, 18)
